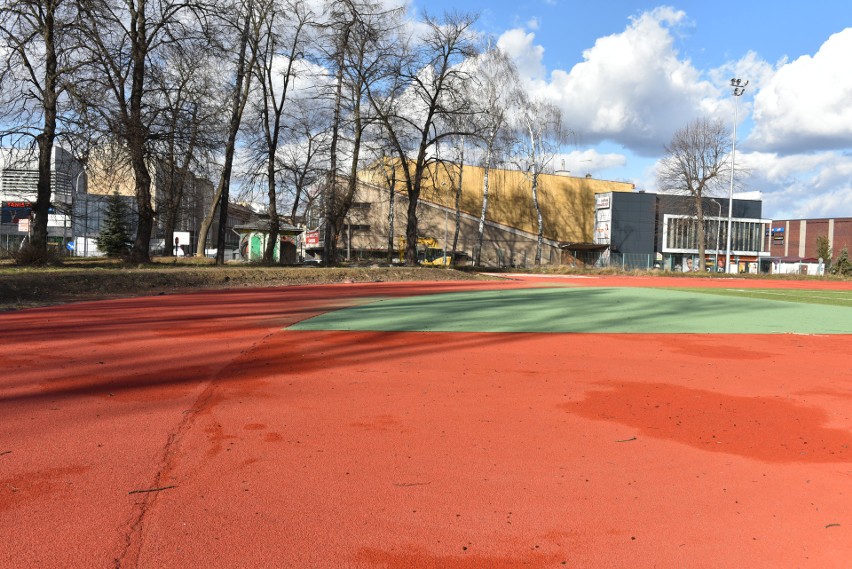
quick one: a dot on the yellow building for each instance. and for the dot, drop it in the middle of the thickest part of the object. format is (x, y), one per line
(567, 205)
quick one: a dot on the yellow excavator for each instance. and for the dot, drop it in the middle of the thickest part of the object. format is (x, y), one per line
(428, 252)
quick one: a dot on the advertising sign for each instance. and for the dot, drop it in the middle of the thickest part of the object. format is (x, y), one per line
(13, 211)
(602, 201)
(312, 237)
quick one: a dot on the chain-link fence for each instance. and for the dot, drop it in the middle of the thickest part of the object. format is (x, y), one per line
(616, 260)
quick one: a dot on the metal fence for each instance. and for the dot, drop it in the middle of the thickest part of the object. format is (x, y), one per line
(616, 260)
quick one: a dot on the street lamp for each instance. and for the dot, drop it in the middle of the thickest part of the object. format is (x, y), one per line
(71, 216)
(739, 88)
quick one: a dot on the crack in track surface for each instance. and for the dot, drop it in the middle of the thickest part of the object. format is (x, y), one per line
(134, 537)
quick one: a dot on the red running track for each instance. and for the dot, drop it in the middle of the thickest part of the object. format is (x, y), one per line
(255, 446)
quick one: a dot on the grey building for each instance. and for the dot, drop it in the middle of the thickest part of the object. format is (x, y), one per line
(18, 192)
(646, 230)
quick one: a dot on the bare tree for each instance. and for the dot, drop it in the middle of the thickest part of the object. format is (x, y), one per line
(495, 94)
(695, 161)
(422, 94)
(363, 38)
(240, 29)
(301, 161)
(188, 123)
(39, 56)
(540, 135)
(125, 42)
(285, 29)
(453, 168)
(389, 172)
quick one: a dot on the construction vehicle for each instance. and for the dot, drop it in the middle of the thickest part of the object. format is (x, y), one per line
(428, 252)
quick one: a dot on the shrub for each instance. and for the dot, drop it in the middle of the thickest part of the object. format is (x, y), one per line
(114, 239)
(842, 266)
(824, 251)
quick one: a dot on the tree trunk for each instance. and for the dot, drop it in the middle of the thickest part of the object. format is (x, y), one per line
(207, 222)
(411, 232)
(136, 136)
(169, 236)
(486, 171)
(699, 212)
(411, 259)
(538, 216)
(274, 222)
(38, 236)
(457, 213)
(331, 219)
(221, 196)
(145, 212)
(391, 211)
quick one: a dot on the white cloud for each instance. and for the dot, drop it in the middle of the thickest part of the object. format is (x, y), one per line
(634, 89)
(518, 44)
(806, 104)
(631, 88)
(590, 161)
(801, 185)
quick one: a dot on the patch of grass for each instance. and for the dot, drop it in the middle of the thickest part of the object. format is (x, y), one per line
(93, 279)
(830, 297)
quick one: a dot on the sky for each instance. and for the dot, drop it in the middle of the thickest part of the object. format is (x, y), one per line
(628, 74)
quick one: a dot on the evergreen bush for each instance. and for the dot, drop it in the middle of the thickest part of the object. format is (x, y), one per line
(114, 238)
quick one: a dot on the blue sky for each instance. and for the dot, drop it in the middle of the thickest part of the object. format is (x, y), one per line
(627, 74)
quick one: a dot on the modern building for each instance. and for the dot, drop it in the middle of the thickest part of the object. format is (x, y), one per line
(793, 247)
(646, 230)
(18, 193)
(109, 172)
(79, 202)
(511, 227)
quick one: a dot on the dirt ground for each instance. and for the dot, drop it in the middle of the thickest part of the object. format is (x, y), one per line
(82, 280)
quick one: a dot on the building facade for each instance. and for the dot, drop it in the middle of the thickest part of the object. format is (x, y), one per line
(179, 207)
(18, 192)
(510, 231)
(793, 247)
(647, 230)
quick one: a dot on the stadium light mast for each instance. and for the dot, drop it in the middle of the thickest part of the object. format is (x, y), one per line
(739, 88)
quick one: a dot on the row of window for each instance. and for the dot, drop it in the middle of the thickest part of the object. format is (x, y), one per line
(681, 234)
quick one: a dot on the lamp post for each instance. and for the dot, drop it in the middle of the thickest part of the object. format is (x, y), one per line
(71, 216)
(739, 88)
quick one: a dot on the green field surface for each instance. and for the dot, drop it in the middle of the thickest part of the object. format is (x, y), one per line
(831, 297)
(592, 310)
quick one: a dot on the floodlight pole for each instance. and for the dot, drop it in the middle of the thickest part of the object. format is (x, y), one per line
(739, 88)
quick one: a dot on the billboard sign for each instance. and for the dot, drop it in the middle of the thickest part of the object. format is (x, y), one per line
(14, 211)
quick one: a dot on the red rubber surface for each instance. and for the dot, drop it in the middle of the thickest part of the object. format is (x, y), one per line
(276, 448)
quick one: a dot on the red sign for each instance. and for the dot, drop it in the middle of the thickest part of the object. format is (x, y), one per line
(311, 237)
